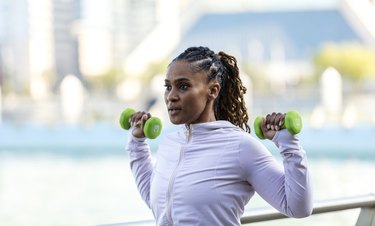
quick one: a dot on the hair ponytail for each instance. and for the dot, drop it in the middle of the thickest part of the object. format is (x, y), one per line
(230, 104)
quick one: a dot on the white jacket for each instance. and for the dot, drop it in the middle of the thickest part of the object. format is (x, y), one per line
(205, 175)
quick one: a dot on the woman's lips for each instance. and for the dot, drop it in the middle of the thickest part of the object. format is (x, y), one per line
(174, 111)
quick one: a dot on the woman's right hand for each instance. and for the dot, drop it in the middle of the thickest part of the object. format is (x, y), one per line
(137, 122)
(271, 124)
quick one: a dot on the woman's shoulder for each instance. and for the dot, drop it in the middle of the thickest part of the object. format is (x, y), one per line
(247, 139)
(250, 145)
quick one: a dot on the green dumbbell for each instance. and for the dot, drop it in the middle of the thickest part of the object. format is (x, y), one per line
(292, 122)
(151, 129)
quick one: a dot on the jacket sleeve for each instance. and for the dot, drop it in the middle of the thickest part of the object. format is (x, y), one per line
(141, 165)
(286, 187)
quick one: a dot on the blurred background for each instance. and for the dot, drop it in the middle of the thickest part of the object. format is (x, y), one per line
(69, 67)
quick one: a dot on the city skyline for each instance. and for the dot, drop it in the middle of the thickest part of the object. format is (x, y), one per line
(88, 39)
(54, 38)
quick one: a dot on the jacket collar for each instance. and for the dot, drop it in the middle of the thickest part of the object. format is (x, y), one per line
(204, 128)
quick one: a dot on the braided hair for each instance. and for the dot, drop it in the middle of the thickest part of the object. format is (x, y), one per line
(221, 67)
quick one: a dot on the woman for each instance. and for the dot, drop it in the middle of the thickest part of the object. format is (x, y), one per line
(207, 172)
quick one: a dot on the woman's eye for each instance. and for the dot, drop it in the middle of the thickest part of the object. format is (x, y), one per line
(184, 87)
(167, 87)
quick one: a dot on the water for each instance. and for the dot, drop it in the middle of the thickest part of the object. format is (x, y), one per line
(87, 181)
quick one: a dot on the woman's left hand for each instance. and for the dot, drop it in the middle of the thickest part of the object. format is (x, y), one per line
(271, 124)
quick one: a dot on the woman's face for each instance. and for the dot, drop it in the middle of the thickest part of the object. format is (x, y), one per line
(186, 95)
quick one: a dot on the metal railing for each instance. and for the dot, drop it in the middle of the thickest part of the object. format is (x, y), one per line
(365, 202)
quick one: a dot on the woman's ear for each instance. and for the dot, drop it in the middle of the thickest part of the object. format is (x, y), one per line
(213, 91)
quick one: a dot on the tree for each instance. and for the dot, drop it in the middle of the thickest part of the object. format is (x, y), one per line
(354, 61)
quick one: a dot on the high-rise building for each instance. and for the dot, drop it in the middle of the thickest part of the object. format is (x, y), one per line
(37, 44)
(94, 32)
(42, 41)
(110, 30)
(65, 16)
(13, 44)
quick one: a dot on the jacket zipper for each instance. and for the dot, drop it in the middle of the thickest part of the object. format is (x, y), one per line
(171, 181)
(170, 189)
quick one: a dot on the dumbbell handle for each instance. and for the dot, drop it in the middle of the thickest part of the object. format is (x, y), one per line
(292, 122)
(151, 129)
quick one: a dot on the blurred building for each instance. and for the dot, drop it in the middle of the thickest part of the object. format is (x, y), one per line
(37, 46)
(14, 43)
(109, 30)
(42, 41)
(65, 16)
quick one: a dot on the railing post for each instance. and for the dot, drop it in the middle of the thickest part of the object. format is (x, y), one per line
(366, 217)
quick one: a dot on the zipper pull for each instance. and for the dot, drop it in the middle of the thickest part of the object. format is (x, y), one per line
(188, 132)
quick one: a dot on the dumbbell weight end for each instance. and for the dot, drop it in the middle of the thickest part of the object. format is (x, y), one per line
(124, 118)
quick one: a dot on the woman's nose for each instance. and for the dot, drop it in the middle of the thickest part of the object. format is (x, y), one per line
(172, 95)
